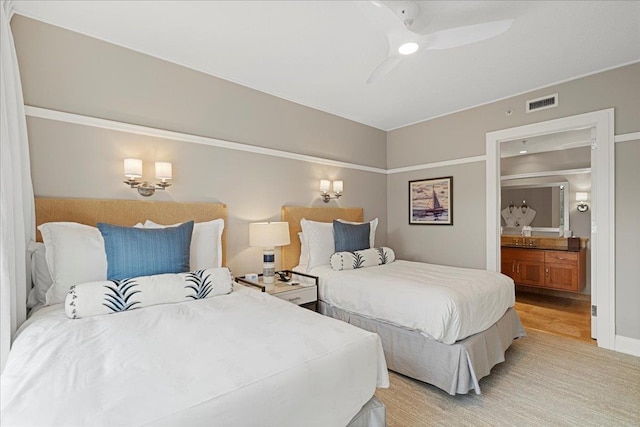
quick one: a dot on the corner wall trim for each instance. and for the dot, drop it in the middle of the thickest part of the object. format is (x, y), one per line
(44, 113)
(443, 163)
(627, 137)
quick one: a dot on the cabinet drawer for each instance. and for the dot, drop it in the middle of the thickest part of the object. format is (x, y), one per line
(560, 257)
(299, 296)
(536, 255)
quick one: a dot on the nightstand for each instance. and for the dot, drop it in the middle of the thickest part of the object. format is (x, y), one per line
(304, 294)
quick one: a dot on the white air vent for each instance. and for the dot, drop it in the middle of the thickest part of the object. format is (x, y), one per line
(543, 103)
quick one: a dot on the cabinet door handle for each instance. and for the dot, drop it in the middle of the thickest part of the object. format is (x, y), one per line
(513, 267)
(518, 270)
(293, 299)
(547, 271)
(560, 257)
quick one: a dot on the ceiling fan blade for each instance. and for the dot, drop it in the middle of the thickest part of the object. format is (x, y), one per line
(384, 68)
(380, 15)
(461, 36)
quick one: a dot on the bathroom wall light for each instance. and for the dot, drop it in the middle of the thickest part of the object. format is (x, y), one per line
(581, 198)
(133, 172)
(325, 185)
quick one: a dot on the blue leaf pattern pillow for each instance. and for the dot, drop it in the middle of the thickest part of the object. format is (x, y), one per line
(114, 296)
(361, 259)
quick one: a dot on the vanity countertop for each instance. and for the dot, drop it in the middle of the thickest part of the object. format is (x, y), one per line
(546, 248)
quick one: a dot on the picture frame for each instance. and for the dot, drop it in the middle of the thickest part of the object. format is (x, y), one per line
(431, 201)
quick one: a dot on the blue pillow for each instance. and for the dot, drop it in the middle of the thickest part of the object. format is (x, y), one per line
(135, 252)
(351, 237)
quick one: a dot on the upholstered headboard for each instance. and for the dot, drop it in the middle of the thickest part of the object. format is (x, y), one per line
(127, 212)
(293, 215)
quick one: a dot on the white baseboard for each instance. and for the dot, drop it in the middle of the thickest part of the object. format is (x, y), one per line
(627, 345)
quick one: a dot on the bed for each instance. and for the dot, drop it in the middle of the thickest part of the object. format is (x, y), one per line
(240, 358)
(442, 325)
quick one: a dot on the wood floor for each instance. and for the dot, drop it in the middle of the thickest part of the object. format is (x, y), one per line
(560, 316)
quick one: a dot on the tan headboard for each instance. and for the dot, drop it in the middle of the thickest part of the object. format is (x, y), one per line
(293, 215)
(128, 213)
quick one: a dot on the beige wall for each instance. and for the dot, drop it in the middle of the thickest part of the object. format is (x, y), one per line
(66, 71)
(463, 134)
(628, 239)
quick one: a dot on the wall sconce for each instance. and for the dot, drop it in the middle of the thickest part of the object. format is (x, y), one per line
(581, 198)
(133, 172)
(325, 185)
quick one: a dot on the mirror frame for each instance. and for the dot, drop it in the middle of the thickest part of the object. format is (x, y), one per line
(564, 202)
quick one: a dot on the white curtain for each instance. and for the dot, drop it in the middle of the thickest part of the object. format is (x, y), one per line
(17, 214)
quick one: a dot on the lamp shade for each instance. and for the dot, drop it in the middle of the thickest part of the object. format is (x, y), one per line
(325, 185)
(132, 168)
(269, 234)
(581, 196)
(337, 186)
(163, 170)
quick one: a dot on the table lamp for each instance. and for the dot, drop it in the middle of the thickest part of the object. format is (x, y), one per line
(269, 235)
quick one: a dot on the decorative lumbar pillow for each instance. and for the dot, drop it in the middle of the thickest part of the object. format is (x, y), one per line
(74, 254)
(206, 243)
(373, 224)
(113, 296)
(351, 237)
(319, 240)
(135, 252)
(360, 259)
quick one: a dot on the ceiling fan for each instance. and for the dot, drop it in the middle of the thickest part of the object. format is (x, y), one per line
(403, 40)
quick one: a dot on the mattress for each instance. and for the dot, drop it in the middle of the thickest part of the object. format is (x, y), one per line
(443, 303)
(236, 360)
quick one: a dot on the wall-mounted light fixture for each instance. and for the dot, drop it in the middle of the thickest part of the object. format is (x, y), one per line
(325, 185)
(133, 172)
(581, 198)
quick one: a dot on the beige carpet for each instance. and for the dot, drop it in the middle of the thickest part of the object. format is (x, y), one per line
(546, 380)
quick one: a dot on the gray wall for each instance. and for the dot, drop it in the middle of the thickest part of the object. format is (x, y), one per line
(628, 239)
(70, 72)
(463, 134)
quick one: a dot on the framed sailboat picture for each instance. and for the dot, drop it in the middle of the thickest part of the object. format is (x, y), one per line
(431, 201)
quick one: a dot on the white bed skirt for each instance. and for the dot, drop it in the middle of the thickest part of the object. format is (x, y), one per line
(455, 368)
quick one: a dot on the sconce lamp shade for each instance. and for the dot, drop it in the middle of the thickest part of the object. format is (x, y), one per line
(163, 170)
(325, 185)
(269, 234)
(133, 168)
(581, 197)
(337, 186)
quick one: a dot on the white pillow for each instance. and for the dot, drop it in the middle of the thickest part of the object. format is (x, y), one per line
(114, 296)
(206, 243)
(75, 254)
(304, 252)
(319, 239)
(361, 259)
(40, 276)
(373, 224)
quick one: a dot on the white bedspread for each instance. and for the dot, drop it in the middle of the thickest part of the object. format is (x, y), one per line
(443, 303)
(243, 359)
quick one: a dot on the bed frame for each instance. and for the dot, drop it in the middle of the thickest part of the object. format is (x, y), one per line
(127, 213)
(454, 368)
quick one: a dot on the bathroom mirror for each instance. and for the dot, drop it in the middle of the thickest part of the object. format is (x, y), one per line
(549, 200)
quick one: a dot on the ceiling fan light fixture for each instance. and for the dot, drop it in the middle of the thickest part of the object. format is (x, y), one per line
(408, 48)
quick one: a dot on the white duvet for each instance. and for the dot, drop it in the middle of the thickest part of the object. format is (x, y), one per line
(243, 359)
(443, 303)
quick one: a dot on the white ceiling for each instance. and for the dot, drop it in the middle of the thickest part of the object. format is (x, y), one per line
(320, 53)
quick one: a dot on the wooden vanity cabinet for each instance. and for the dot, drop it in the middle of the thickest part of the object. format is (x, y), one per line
(545, 268)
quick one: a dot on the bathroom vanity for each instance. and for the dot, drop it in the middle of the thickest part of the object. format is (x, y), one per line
(544, 262)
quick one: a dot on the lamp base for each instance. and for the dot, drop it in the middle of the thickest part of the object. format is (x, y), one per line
(268, 266)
